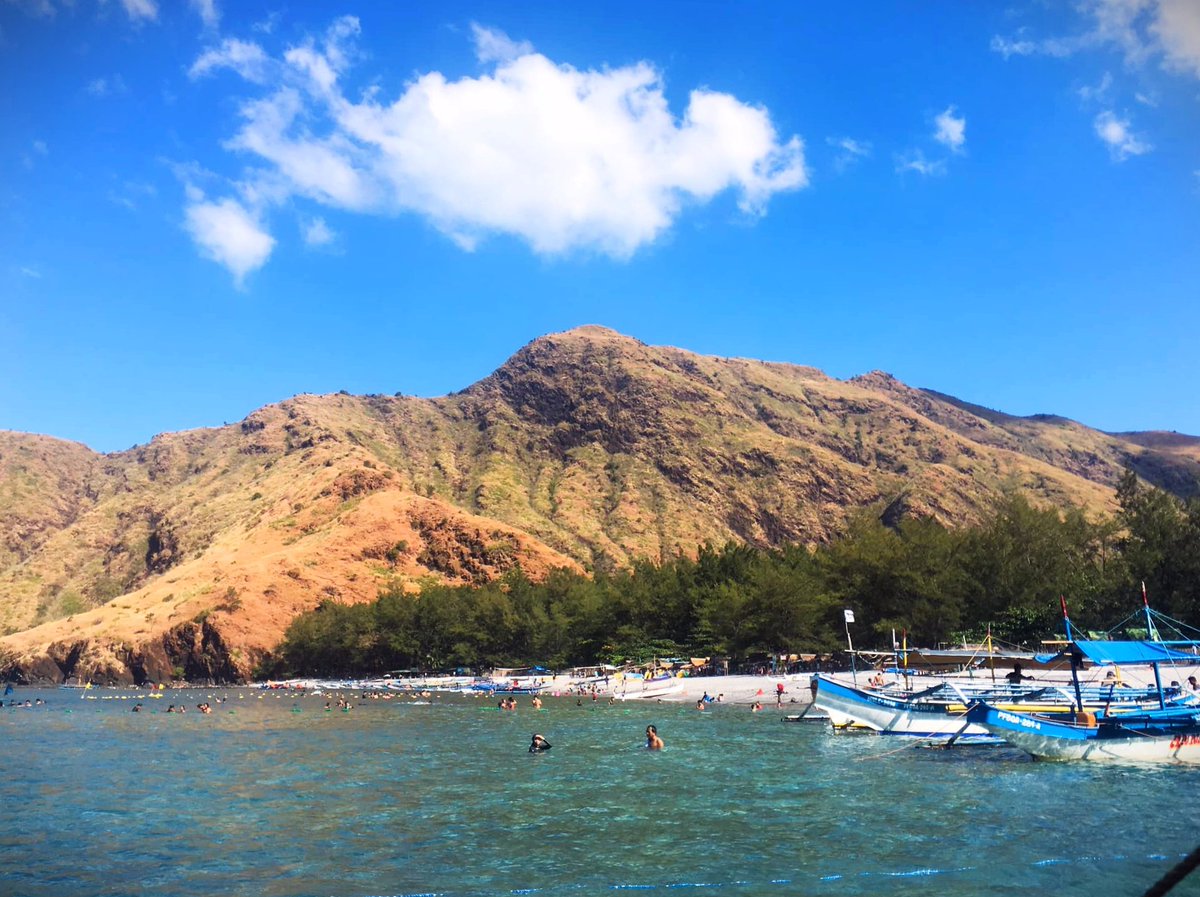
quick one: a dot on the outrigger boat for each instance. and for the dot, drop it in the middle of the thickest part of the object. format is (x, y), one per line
(1168, 733)
(941, 709)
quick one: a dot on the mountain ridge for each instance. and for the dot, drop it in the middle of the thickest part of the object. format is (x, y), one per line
(587, 448)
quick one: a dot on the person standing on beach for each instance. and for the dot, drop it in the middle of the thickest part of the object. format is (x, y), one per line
(653, 742)
(1017, 676)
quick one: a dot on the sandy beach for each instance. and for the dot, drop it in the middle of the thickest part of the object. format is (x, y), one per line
(730, 689)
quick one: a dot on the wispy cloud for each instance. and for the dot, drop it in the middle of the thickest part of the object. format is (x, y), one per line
(267, 25)
(1097, 92)
(317, 233)
(37, 148)
(564, 159)
(951, 130)
(208, 11)
(140, 10)
(496, 46)
(130, 193)
(1140, 29)
(1119, 137)
(1020, 46)
(246, 58)
(31, 272)
(916, 161)
(107, 86)
(850, 151)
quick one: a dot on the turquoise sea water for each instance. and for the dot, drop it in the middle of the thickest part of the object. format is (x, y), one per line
(402, 798)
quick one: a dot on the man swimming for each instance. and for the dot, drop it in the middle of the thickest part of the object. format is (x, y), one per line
(653, 742)
(539, 744)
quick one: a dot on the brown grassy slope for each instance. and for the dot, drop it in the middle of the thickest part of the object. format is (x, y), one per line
(1170, 461)
(586, 447)
(44, 485)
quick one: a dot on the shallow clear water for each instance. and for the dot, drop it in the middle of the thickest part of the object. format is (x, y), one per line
(402, 798)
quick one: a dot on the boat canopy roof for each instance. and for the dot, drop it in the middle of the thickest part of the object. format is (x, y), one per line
(1122, 653)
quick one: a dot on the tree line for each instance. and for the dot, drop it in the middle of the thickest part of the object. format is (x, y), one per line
(936, 583)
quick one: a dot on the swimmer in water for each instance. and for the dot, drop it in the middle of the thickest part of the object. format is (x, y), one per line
(539, 744)
(537, 703)
(653, 742)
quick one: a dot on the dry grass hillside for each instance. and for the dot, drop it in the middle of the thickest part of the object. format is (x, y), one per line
(190, 555)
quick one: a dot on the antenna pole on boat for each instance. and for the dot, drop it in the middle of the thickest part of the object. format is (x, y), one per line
(1076, 654)
(1151, 632)
(1152, 635)
(904, 644)
(849, 615)
(991, 652)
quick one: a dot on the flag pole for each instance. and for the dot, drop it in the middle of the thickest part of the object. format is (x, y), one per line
(849, 615)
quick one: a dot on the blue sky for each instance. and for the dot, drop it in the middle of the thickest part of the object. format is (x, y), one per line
(207, 207)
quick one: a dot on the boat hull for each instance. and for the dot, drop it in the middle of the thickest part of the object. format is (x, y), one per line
(1054, 740)
(848, 706)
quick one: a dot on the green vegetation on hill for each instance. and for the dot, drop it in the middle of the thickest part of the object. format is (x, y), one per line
(934, 582)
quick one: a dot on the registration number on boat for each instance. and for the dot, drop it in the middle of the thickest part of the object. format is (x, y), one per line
(1015, 720)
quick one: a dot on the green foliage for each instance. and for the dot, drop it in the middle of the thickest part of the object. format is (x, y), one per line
(1160, 545)
(70, 603)
(935, 583)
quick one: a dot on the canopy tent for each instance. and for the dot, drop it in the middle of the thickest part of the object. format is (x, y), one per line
(1121, 653)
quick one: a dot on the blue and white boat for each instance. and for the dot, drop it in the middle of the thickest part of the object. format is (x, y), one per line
(941, 709)
(1168, 733)
(1149, 737)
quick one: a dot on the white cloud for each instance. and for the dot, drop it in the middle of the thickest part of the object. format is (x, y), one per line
(317, 233)
(137, 10)
(1118, 137)
(1177, 28)
(228, 233)
(1139, 29)
(496, 46)
(1008, 47)
(244, 57)
(209, 14)
(32, 272)
(561, 158)
(916, 161)
(850, 151)
(951, 131)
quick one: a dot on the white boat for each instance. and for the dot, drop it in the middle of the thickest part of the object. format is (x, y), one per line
(647, 689)
(941, 709)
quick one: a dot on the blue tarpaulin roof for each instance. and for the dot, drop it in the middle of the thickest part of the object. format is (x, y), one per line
(1124, 653)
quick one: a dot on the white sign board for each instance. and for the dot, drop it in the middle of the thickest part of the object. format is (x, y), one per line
(849, 615)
